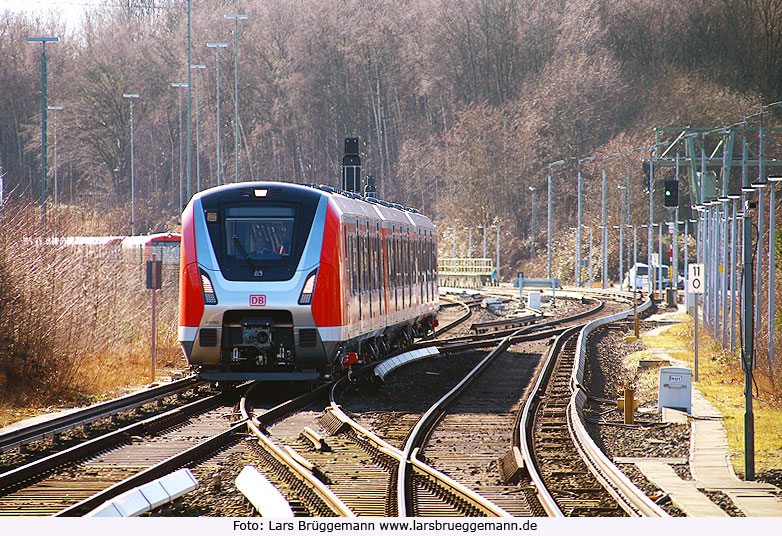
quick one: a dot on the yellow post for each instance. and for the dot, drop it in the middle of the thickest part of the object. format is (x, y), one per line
(629, 405)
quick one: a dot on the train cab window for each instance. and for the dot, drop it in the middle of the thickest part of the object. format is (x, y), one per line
(259, 243)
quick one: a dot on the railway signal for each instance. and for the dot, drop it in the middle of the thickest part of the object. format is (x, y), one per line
(671, 193)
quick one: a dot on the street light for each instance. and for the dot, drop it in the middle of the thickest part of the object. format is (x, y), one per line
(605, 229)
(557, 163)
(189, 112)
(179, 86)
(43, 41)
(132, 96)
(532, 247)
(621, 237)
(771, 265)
(236, 19)
(198, 132)
(217, 47)
(55, 109)
(578, 227)
(627, 204)
(469, 242)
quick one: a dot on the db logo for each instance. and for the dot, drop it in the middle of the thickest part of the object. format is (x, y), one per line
(257, 300)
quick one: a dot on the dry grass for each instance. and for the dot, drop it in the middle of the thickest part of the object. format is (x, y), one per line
(75, 322)
(721, 381)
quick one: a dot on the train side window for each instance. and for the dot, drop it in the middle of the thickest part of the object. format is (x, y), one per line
(354, 255)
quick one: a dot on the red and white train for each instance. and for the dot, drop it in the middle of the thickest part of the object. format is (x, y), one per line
(287, 282)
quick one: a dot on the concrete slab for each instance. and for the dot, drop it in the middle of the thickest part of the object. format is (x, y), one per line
(710, 466)
(684, 494)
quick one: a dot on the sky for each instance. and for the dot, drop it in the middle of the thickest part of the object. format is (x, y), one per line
(71, 10)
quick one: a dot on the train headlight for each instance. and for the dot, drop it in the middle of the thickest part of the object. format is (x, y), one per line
(305, 298)
(210, 298)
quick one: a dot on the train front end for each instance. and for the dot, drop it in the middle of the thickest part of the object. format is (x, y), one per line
(249, 265)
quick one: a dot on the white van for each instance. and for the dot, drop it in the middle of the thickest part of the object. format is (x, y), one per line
(639, 273)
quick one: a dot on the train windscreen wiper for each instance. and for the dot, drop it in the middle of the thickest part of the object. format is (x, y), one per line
(244, 252)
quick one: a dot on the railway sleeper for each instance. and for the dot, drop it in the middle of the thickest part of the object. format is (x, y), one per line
(512, 467)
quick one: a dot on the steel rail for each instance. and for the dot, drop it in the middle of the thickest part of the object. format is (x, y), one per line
(169, 465)
(436, 333)
(195, 453)
(255, 424)
(522, 433)
(95, 412)
(424, 426)
(631, 499)
(99, 444)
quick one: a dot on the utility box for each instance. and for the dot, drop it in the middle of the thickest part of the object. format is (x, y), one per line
(533, 300)
(675, 389)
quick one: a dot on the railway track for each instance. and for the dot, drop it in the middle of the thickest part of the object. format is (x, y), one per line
(569, 471)
(77, 479)
(376, 462)
(353, 471)
(82, 418)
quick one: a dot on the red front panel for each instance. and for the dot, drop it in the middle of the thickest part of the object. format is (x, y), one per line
(191, 299)
(328, 304)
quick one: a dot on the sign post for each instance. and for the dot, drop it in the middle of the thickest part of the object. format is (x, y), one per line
(154, 282)
(695, 287)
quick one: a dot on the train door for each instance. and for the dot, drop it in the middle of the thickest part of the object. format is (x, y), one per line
(396, 271)
(377, 269)
(352, 269)
(384, 273)
(360, 230)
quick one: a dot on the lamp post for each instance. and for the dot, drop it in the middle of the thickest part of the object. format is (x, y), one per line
(627, 201)
(724, 221)
(179, 86)
(532, 247)
(453, 254)
(55, 109)
(548, 252)
(498, 253)
(43, 41)
(621, 236)
(603, 220)
(469, 242)
(132, 96)
(771, 262)
(217, 47)
(591, 279)
(236, 19)
(198, 131)
(734, 199)
(580, 217)
(484, 240)
(189, 112)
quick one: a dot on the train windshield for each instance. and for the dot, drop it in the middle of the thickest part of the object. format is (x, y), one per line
(259, 242)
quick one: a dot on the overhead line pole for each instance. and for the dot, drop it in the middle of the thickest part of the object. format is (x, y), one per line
(189, 113)
(605, 228)
(557, 163)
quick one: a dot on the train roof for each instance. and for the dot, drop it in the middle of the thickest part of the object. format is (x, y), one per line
(346, 202)
(83, 240)
(142, 240)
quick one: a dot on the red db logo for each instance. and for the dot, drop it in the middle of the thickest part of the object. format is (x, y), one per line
(257, 300)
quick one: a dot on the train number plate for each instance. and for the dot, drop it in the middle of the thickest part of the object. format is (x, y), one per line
(257, 300)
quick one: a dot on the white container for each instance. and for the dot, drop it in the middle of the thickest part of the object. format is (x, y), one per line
(675, 389)
(533, 300)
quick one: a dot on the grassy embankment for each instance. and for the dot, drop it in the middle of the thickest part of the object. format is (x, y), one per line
(721, 381)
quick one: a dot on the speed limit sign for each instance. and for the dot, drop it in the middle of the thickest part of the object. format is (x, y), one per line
(695, 279)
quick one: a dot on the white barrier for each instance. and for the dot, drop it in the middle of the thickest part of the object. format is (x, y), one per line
(144, 498)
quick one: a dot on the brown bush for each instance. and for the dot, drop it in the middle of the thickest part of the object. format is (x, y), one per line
(74, 321)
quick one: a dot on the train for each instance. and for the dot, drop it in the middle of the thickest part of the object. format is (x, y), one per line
(140, 248)
(287, 282)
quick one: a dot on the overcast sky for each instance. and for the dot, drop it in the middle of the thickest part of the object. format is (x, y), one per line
(70, 10)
